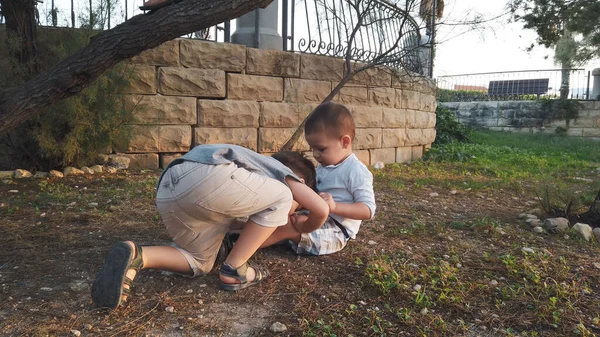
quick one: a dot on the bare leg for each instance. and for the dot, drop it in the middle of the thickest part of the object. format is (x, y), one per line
(252, 236)
(287, 232)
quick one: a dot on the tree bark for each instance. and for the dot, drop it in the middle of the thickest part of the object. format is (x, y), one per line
(112, 46)
(21, 29)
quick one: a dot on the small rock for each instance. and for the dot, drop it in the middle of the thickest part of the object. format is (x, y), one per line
(102, 159)
(7, 174)
(379, 165)
(88, 326)
(424, 311)
(19, 173)
(13, 191)
(584, 230)
(417, 287)
(97, 168)
(537, 212)
(87, 170)
(596, 232)
(78, 286)
(111, 169)
(189, 291)
(170, 309)
(538, 229)
(523, 216)
(586, 292)
(596, 265)
(371, 243)
(493, 283)
(433, 194)
(72, 204)
(93, 204)
(278, 327)
(46, 289)
(56, 174)
(527, 250)
(362, 302)
(566, 236)
(76, 333)
(445, 256)
(118, 162)
(530, 216)
(501, 231)
(449, 238)
(556, 225)
(40, 175)
(495, 316)
(113, 208)
(534, 222)
(453, 192)
(458, 265)
(71, 171)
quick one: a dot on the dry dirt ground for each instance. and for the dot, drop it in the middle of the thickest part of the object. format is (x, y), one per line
(464, 250)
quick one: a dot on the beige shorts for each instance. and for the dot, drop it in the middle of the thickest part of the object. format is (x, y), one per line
(199, 203)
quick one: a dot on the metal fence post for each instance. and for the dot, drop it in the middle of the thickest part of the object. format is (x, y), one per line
(256, 28)
(227, 32)
(284, 23)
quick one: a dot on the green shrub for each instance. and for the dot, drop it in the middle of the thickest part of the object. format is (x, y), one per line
(448, 128)
(74, 130)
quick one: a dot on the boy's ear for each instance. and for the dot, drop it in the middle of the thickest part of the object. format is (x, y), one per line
(346, 141)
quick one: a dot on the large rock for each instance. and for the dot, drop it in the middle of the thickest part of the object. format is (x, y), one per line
(87, 170)
(7, 174)
(228, 113)
(272, 63)
(211, 55)
(142, 80)
(56, 174)
(556, 225)
(596, 232)
(167, 54)
(40, 174)
(305, 91)
(20, 173)
(584, 230)
(367, 117)
(367, 139)
(382, 96)
(280, 115)
(254, 87)
(247, 137)
(158, 109)
(119, 161)
(322, 68)
(71, 171)
(192, 82)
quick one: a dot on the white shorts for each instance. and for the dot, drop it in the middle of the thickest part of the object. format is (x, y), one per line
(328, 239)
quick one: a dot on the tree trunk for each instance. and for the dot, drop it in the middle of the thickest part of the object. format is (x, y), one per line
(21, 30)
(564, 83)
(112, 46)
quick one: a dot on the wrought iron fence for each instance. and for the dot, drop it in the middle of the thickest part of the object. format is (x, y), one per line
(515, 85)
(309, 26)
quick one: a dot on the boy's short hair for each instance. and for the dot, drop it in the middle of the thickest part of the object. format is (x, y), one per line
(300, 165)
(332, 118)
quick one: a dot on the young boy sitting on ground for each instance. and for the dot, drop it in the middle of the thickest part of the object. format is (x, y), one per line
(342, 180)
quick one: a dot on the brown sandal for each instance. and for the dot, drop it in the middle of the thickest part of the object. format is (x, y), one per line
(240, 274)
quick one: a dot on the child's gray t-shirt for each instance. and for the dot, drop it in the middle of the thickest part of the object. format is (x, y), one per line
(216, 154)
(348, 182)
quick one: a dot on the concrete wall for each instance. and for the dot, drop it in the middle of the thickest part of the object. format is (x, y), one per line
(190, 92)
(524, 116)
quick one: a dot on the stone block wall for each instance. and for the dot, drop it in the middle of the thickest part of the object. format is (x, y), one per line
(523, 116)
(190, 92)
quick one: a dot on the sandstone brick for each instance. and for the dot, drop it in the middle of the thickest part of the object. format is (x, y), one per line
(367, 139)
(376, 76)
(387, 156)
(322, 68)
(394, 117)
(175, 138)
(408, 99)
(212, 55)
(416, 119)
(304, 109)
(417, 152)
(309, 155)
(145, 139)
(431, 120)
(404, 155)
(305, 91)
(272, 139)
(575, 132)
(192, 82)
(142, 160)
(352, 95)
(228, 113)
(166, 158)
(246, 137)
(413, 82)
(414, 137)
(167, 54)
(428, 136)
(364, 156)
(142, 80)
(280, 115)
(382, 96)
(272, 62)
(158, 109)
(254, 87)
(393, 137)
(428, 102)
(367, 117)
(591, 132)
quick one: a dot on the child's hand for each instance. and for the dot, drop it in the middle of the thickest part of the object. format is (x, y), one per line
(329, 200)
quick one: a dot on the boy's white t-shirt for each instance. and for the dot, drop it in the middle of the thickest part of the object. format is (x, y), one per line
(348, 182)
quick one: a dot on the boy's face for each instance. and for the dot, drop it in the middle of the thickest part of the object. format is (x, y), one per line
(329, 150)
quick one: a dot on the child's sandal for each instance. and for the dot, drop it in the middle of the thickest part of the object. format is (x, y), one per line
(108, 287)
(240, 274)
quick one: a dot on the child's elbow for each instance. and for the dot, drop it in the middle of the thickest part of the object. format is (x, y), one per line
(322, 212)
